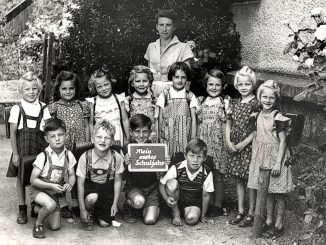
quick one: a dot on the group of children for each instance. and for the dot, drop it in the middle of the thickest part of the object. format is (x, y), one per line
(208, 138)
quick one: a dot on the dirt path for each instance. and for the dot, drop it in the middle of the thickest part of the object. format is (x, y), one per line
(161, 233)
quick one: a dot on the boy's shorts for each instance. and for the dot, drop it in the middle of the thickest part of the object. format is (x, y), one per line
(188, 199)
(105, 192)
(150, 193)
(34, 191)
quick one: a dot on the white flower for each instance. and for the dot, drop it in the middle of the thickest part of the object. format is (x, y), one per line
(286, 22)
(295, 58)
(293, 27)
(323, 52)
(320, 33)
(309, 62)
(315, 11)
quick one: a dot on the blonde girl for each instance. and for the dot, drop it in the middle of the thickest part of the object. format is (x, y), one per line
(270, 152)
(239, 135)
(107, 105)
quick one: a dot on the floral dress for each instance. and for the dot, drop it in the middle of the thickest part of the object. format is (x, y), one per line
(73, 114)
(241, 128)
(137, 104)
(211, 129)
(265, 151)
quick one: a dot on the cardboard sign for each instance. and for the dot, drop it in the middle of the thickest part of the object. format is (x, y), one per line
(147, 157)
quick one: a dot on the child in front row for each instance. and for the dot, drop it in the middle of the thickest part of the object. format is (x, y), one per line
(177, 110)
(141, 188)
(48, 177)
(107, 105)
(26, 135)
(188, 184)
(270, 151)
(99, 178)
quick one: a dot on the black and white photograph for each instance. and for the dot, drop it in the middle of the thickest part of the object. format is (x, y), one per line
(163, 122)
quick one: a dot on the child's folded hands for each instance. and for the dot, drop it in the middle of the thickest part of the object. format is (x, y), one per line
(57, 188)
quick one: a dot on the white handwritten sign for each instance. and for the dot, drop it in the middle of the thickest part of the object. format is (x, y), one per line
(147, 157)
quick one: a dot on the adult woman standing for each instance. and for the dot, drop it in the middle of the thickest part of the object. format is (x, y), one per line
(165, 51)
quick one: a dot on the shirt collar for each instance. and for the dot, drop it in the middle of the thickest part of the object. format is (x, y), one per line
(184, 165)
(95, 157)
(173, 91)
(212, 101)
(173, 41)
(24, 102)
(51, 151)
(147, 96)
(68, 103)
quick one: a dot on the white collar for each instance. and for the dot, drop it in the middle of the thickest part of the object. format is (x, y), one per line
(147, 96)
(173, 91)
(212, 101)
(24, 102)
(51, 151)
(184, 165)
(95, 157)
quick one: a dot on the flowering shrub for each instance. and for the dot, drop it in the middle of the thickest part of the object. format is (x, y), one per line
(309, 49)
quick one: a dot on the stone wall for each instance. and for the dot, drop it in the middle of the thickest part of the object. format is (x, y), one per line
(263, 35)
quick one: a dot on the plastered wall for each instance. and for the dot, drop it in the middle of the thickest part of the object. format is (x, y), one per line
(264, 36)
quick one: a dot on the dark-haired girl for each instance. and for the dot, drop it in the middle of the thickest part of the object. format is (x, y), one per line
(177, 110)
(75, 114)
(211, 124)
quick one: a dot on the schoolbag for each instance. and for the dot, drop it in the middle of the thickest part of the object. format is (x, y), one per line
(7, 124)
(296, 129)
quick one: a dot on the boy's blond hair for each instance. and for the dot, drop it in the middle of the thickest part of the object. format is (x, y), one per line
(29, 77)
(106, 125)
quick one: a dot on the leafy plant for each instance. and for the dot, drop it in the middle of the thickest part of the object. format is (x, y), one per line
(115, 33)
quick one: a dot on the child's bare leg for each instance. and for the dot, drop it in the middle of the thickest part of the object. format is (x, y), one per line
(20, 191)
(172, 190)
(241, 195)
(90, 201)
(219, 188)
(135, 199)
(281, 204)
(54, 221)
(252, 201)
(270, 209)
(151, 214)
(192, 215)
(48, 207)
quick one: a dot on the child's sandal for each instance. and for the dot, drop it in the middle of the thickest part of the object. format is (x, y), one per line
(247, 222)
(38, 231)
(237, 219)
(274, 233)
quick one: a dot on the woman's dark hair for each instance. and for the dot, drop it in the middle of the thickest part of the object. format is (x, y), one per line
(66, 76)
(217, 73)
(167, 13)
(179, 66)
(140, 121)
(54, 124)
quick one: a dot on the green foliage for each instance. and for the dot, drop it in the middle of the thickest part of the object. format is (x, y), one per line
(115, 34)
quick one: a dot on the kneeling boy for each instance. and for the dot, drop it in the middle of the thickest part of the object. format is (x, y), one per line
(187, 185)
(99, 177)
(48, 175)
(141, 188)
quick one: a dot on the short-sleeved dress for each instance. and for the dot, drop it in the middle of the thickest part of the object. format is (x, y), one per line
(211, 119)
(265, 151)
(241, 128)
(73, 114)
